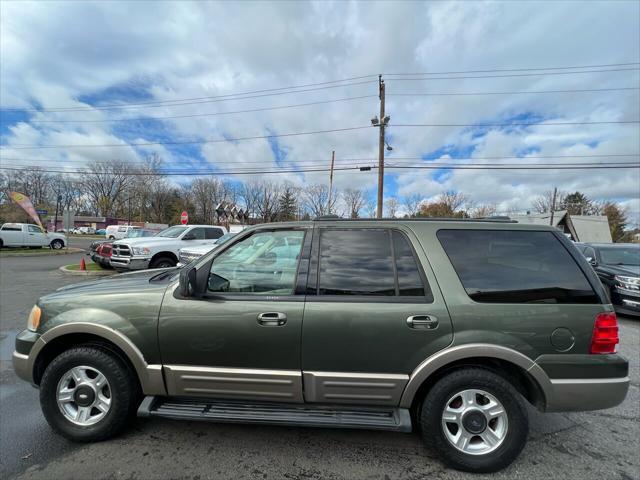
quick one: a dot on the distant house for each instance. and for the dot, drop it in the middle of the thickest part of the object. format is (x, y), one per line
(580, 228)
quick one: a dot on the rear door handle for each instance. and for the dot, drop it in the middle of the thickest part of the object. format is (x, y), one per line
(422, 322)
(272, 319)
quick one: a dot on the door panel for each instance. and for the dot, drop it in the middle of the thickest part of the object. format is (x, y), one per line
(367, 337)
(241, 339)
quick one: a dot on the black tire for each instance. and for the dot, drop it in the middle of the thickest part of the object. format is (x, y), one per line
(123, 387)
(475, 378)
(57, 244)
(162, 262)
(111, 237)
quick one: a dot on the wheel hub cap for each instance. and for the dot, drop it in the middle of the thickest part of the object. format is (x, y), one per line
(83, 395)
(474, 422)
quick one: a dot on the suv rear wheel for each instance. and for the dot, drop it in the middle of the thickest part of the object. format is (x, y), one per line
(476, 420)
(88, 394)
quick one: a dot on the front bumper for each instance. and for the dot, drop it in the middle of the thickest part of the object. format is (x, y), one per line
(130, 263)
(22, 363)
(626, 301)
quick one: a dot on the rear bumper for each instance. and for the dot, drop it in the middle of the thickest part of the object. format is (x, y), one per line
(581, 394)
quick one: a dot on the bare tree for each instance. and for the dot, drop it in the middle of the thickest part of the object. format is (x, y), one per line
(250, 195)
(354, 200)
(104, 184)
(316, 200)
(268, 200)
(452, 200)
(543, 203)
(482, 211)
(412, 204)
(207, 193)
(392, 207)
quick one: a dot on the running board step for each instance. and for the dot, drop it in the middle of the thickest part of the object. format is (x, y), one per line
(373, 418)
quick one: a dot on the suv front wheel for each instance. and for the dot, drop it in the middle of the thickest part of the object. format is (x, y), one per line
(88, 394)
(475, 420)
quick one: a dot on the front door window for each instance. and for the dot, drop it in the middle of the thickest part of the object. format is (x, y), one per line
(262, 264)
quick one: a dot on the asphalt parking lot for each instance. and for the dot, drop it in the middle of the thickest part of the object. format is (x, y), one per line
(594, 445)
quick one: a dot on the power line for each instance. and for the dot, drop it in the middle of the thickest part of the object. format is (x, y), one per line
(513, 75)
(327, 84)
(549, 167)
(174, 103)
(522, 92)
(280, 107)
(191, 142)
(344, 159)
(519, 69)
(334, 130)
(515, 124)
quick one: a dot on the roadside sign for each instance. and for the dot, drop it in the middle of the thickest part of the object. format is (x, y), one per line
(184, 218)
(40, 211)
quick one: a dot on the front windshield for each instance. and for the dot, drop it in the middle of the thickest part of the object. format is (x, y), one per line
(137, 233)
(172, 232)
(620, 255)
(224, 238)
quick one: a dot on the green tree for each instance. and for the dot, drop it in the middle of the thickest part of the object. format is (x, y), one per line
(577, 203)
(287, 204)
(617, 217)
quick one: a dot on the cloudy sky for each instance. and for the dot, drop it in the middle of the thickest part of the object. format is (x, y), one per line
(65, 65)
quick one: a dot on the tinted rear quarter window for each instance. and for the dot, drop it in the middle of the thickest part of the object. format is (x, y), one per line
(213, 233)
(509, 266)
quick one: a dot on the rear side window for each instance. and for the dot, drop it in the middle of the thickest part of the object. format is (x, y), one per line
(502, 266)
(368, 262)
(212, 233)
(11, 228)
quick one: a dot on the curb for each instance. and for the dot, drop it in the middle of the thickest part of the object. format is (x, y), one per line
(35, 253)
(86, 273)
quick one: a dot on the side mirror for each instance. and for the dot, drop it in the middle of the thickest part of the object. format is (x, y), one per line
(188, 282)
(189, 236)
(592, 261)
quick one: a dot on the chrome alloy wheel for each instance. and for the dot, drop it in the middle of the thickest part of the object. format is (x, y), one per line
(84, 395)
(474, 422)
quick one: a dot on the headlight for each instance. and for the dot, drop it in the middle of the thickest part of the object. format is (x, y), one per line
(628, 283)
(140, 251)
(34, 318)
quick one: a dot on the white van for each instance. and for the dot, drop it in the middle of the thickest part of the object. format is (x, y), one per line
(118, 232)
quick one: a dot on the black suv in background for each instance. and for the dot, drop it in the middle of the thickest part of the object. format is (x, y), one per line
(618, 266)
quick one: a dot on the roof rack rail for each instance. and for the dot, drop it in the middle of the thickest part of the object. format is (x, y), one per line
(494, 219)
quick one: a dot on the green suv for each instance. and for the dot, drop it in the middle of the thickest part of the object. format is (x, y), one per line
(443, 326)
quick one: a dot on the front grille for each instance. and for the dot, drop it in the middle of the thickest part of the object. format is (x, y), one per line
(187, 257)
(121, 251)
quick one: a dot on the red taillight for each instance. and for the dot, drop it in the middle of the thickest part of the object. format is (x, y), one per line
(605, 334)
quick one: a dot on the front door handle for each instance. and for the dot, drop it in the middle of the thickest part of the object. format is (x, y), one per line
(423, 322)
(272, 319)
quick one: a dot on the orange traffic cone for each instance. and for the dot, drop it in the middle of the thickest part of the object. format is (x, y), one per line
(83, 266)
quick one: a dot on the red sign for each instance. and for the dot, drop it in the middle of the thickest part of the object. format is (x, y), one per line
(184, 218)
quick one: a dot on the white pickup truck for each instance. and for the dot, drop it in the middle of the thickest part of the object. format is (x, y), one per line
(161, 250)
(27, 235)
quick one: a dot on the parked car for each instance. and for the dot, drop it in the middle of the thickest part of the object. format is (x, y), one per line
(341, 324)
(188, 254)
(101, 231)
(117, 232)
(27, 235)
(102, 256)
(618, 267)
(85, 231)
(161, 251)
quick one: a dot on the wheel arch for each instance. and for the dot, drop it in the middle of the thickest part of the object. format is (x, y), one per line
(164, 254)
(62, 337)
(524, 374)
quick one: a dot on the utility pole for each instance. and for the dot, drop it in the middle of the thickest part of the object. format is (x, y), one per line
(333, 159)
(553, 204)
(383, 122)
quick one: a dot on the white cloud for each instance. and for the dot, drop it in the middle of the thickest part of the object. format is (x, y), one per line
(189, 50)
